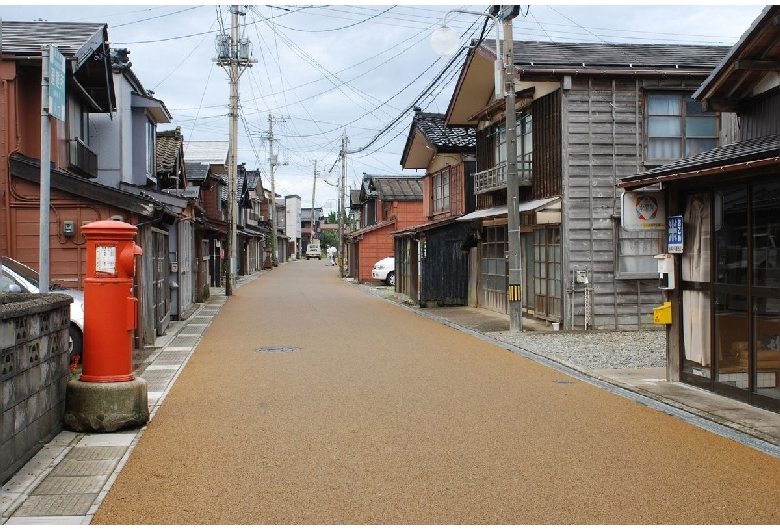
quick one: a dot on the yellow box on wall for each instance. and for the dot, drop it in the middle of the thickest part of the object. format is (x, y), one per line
(663, 314)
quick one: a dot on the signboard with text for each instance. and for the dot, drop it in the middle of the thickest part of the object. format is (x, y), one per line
(674, 233)
(642, 211)
(56, 83)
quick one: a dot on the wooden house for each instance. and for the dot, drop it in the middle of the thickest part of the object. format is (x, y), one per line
(206, 166)
(87, 171)
(432, 259)
(587, 114)
(387, 204)
(723, 232)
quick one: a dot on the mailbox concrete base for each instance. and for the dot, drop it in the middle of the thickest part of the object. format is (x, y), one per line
(105, 407)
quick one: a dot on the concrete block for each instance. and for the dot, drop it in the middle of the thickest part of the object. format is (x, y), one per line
(105, 407)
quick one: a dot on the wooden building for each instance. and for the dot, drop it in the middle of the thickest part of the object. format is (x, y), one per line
(94, 161)
(387, 204)
(724, 333)
(432, 259)
(587, 114)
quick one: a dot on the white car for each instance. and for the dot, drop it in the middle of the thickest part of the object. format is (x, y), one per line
(384, 270)
(17, 277)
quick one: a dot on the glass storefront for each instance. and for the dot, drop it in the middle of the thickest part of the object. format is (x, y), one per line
(731, 296)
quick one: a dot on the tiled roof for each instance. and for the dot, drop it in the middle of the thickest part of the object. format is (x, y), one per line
(766, 147)
(168, 146)
(196, 171)
(215, 152)
(398, 188)
(445, 138)
(70, 38)
(532, 55)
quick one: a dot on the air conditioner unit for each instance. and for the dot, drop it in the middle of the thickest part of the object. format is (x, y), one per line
(261, 218)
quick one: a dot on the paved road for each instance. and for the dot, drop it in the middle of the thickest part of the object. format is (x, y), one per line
(384, 416)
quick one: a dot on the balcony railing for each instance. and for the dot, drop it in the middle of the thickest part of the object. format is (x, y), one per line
(495, 178)
(84, 160)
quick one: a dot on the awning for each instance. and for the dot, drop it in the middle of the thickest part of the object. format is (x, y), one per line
(536, 205)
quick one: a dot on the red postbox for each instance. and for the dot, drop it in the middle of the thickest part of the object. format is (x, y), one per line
(110, 308)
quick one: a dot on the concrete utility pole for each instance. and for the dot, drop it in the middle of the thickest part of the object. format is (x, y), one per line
(313, 213)
(233, 56)
(515, 294)
(342, 180)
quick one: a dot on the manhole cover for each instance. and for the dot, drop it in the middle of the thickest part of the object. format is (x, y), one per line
(280, 349)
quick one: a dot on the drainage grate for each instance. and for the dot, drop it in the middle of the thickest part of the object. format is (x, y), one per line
(563, 382)
(281, 349)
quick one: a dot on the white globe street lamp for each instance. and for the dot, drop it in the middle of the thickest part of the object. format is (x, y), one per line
(445, 42)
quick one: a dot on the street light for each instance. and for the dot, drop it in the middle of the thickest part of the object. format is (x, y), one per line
(444, 41)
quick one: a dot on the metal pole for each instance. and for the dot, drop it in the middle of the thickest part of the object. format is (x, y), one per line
(43, 251)
(515, 295)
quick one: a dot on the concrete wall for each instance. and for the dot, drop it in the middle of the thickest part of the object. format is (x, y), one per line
(35, 370)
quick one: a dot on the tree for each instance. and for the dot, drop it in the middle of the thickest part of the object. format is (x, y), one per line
(328, 238)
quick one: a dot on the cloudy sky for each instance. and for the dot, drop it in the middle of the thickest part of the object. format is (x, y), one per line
(325, 71)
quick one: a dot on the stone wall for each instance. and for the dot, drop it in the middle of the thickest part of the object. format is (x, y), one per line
(34, 373)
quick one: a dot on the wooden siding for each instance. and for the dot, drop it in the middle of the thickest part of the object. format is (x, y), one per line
(546, 138)
(761, 117)
(444, 267)
(603, 142)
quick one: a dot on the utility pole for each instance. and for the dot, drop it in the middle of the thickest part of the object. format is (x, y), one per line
(342, 180)
(313, 213)
(233, 54)
(515, 295)
(272, 164)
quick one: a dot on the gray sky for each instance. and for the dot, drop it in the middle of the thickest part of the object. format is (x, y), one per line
(324, 70)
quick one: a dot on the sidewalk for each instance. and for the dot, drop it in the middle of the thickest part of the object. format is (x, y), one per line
(70, 476)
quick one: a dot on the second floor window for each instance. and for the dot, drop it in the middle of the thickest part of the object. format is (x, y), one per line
(151, 170)
(678, 127)
(441, 191)
(524, 146)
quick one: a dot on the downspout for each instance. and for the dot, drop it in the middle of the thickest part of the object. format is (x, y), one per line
(7, 192)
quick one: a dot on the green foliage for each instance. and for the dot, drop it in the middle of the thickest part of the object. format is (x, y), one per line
(328, 238)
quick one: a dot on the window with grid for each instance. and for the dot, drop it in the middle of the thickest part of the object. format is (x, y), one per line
(524, 146)
(678, 127)
(441, 191)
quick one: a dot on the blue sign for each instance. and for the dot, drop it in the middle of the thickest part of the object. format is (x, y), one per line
(674, 232)
(56, 83)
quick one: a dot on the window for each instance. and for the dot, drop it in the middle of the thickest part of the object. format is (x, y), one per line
(635, 253)
(441, 191)
(524, 146)
(677, 127)
(151, 170)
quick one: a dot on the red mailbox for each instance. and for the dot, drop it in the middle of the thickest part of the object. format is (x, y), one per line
(110, 308)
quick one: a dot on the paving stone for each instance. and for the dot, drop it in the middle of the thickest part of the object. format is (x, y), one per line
(97, 453)
(172, 357)
(70, 485)
(83, 468)
(47, 505)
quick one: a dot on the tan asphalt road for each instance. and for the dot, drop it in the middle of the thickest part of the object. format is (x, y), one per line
(383, 416)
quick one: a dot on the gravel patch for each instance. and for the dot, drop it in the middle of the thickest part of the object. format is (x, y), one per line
(593, 350)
